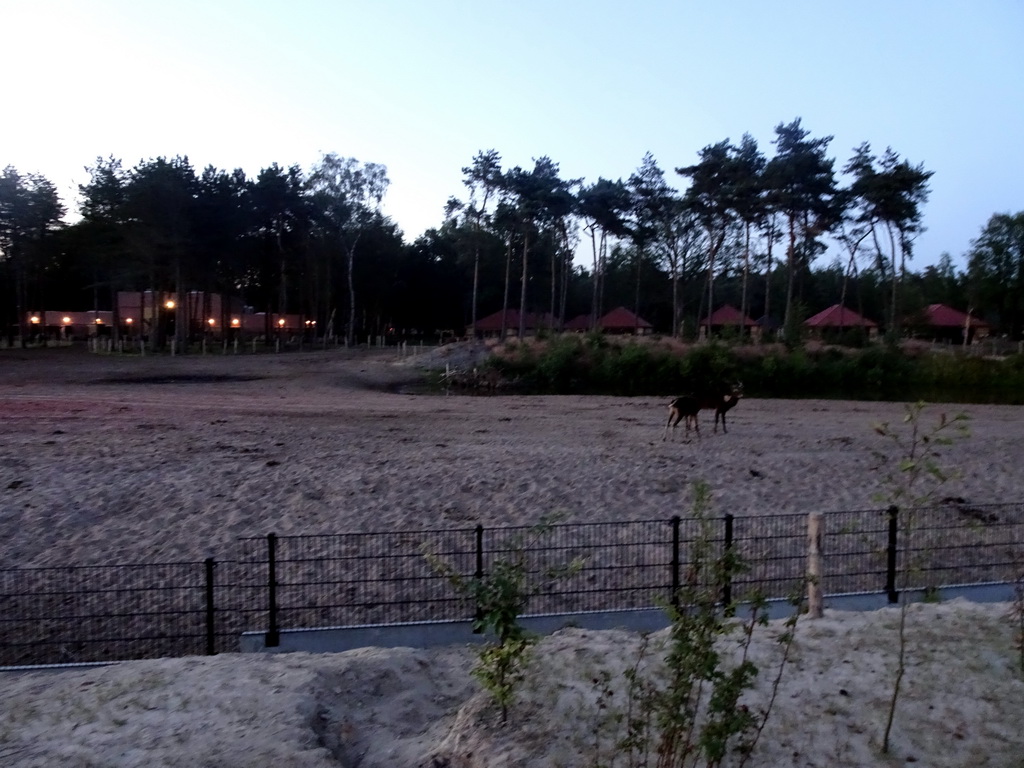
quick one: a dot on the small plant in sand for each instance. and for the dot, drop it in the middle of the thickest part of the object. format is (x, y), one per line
(684, 700)
(913, 482)
(501, 595)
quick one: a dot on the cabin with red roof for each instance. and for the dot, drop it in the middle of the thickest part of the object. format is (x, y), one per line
(621, 321)
(837, 317)
(490, 326)
(940, 322)
(726, 317)
(579, 324)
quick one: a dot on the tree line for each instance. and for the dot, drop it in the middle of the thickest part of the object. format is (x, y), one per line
(746, 229)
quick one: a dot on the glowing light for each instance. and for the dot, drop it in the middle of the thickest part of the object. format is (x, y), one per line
(281, 322)
(235, 322)
(212, 322)
(98, 321)
(128, 320)
(34, 319)
(66, 320)
(169, 304)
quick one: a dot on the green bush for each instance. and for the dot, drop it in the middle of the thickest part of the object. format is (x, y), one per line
(591, 364)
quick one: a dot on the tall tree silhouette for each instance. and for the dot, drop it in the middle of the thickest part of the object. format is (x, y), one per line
(350, 194)
(30, 212)
(483, 179)
(801, 185)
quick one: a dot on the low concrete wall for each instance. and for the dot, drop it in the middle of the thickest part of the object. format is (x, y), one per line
(435, 633)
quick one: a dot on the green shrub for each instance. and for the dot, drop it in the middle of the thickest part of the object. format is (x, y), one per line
(591, 364)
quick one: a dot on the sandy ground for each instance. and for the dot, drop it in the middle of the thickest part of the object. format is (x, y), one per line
(119, 460)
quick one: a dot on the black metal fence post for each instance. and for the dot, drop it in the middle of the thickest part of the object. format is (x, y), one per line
(675, 562)
(273, 638)
(890, 566)
(727, 575)
(211, 634)
(479, 573)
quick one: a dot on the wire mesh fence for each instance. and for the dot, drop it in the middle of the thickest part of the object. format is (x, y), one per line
(277, 583)
(104, 613)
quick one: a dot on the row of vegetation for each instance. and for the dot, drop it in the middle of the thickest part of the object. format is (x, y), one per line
(592, 365)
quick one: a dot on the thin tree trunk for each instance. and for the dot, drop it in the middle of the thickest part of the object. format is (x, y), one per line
(566, 275)
(476, 283)
(604, 274)
(593, 280)
(892, 309)
(791, 264)
(522, 292)
(351, 329)
(746, 274)
(636, 297)
(554, 277)
(508, 279)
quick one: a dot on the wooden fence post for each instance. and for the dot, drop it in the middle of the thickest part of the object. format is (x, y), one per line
(815, 532)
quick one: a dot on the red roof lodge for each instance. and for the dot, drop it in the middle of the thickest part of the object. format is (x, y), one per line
(840, 317)
(943, 323)
(621, 320)
(492, 324)
(727, 316)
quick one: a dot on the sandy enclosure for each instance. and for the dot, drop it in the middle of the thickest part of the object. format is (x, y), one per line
(121, 460)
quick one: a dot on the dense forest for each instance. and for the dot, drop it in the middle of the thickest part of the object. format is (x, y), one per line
(746, 229)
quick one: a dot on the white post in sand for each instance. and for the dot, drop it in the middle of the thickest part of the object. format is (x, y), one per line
(815, 532)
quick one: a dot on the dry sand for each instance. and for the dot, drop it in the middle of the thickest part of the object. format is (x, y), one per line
(119, 460)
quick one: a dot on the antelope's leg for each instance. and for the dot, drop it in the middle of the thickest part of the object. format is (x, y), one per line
(671, 412)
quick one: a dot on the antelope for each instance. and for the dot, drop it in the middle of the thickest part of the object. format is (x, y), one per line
(688, 406)
(685, 407)
(723, 403)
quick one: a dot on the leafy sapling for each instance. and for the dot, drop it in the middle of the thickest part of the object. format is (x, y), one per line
(685, 707)
(914, 479)
(501, 596)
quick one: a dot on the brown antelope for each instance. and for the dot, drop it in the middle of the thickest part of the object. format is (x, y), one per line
(723, 403)
(685, 407)
(688, 406)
